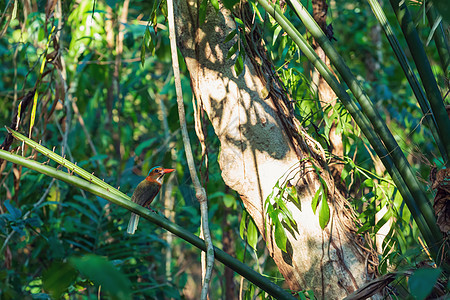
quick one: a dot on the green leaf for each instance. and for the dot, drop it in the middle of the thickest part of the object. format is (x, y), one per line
(276, 32)
(143, 53)
(280, 235)
(232, 50)
(292, 194)
(324, 213)
(228, 201)
(239, 22)
(230, 36)
(383, 220)
(315, 200)
(14, 212)
(239, 64)
(421, 283)
(100, 271)
(242, 225)
(215, 4)
(144, 145)
(252, 234)
(286, 211)
(230, 3)
(58, 278)
(202, 11)
(368, 183)
(14, 12)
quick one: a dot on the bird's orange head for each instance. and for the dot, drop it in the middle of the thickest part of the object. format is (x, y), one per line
(156, 174)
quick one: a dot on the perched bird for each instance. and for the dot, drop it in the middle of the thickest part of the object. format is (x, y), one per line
(145, 192)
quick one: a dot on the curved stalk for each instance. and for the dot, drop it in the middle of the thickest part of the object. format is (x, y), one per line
(396, 166)
(125, 202)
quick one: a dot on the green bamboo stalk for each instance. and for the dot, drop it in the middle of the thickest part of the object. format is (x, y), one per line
(410, 76)
(124, 201)
(65, 163)
(426, 74)
(378, 123)
(362, 121)
(439, 37)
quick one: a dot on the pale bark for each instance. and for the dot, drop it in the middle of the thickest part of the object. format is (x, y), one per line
(256, 151)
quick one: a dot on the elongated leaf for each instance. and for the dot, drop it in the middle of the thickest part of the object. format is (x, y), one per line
(315, 200)
(324, 213)
(232, 50)
(280, 234)
(239, 64)
(202, 12)
(143, 145)
(252, 234)
(242, 225)
(230, 36)
(275, 34)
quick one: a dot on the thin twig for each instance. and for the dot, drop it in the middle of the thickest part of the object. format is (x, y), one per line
(199, 190)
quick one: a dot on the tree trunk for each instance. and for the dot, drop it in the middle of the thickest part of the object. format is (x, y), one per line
(260, 143)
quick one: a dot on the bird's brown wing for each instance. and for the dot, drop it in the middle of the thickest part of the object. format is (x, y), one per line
(144, 193)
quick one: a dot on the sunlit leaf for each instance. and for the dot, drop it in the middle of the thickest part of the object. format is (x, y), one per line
(324, 213)
(252, 234)
(275, 34)
(229, 200)
(232, 50)
(315, 199)
(242, 225)
(215, 4)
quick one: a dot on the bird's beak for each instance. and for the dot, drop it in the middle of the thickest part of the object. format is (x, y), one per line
(168, 171)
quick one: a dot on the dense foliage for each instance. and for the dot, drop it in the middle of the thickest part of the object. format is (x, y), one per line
(106, 100)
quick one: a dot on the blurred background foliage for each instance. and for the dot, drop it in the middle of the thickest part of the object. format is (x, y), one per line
(107, 101)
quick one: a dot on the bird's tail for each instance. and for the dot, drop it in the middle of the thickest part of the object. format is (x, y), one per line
(132, 225)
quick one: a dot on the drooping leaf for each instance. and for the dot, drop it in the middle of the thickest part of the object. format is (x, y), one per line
(280, 234)
(239, 64)
(252, 234)
(324, 213)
